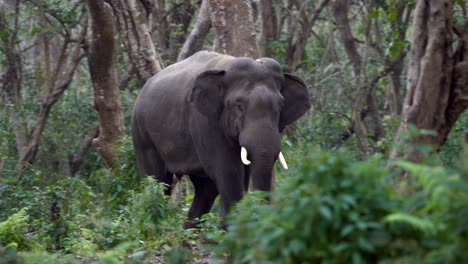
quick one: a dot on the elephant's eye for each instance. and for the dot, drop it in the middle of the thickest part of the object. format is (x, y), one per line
(239, 107)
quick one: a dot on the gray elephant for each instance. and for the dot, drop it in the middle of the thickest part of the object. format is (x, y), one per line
(219, 120)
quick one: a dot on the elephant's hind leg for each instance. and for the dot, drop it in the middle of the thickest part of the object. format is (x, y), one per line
(205, 195)
(150, 163)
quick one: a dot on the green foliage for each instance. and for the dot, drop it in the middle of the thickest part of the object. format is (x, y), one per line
(116, 185)
(335, 210)
(439, 211)
(13, 231)
(329, 212)
(179, 255)
(145, 217)
(451, 151)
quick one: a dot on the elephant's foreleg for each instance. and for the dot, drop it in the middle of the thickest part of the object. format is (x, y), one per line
(205, 195)
(231, 189)
(246, 179)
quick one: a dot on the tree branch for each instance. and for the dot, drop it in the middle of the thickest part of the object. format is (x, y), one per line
(75, 161)
(197, 36)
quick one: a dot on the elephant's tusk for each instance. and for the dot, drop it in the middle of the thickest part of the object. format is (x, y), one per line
(244, 156)
(282, 161)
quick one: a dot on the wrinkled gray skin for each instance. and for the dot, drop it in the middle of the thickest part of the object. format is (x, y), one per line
(194, 116)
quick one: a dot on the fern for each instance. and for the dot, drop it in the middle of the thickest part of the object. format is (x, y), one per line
(423, 225)
(14, 230)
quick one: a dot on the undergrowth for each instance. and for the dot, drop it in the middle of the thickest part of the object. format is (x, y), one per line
(330, 208)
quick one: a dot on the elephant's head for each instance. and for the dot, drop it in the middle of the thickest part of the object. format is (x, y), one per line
(252, 101)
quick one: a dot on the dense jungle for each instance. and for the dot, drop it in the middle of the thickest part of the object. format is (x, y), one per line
(378, 165)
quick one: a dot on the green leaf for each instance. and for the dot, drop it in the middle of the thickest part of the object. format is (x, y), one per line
(325, 212)
(365, 244)
(348, 229)
(340, 247)
(423, 225)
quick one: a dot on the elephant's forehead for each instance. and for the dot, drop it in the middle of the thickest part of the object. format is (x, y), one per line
(242, 64)
(260, 68)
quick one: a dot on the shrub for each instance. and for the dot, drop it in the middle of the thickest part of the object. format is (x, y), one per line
(439, 211)
(330, 211)
(333, 210)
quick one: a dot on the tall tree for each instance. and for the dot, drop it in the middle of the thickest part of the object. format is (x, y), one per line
(437, 82)
(235, 28)
(103, 75)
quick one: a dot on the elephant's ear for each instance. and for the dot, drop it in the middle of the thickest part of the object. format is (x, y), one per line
(296, 100)
(207, 93)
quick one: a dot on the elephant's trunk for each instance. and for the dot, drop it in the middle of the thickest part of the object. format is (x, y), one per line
(260, 149)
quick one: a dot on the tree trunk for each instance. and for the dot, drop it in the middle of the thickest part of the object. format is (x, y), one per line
(269, 27)
(160, 25)
(10, 89)
(235, 29)
(106, 90)
(437, 83)
(197, 36)
(133, 28)
(393, 100)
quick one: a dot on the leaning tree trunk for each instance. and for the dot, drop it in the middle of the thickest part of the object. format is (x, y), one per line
(197, 36)
(103, 75)
(133, 28)
(235, 28)
(437, 83)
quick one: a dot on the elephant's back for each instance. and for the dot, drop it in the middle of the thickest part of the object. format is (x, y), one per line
(196, 64)
(177, 78)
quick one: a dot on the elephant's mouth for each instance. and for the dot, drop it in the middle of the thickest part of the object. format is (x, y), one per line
(247, 162)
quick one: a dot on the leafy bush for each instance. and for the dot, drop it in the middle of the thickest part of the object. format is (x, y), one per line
(439, 211)
(147, 213)
(116, 185)
(334, 210)
(329, 212)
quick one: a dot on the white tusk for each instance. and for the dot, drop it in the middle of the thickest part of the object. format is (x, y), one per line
(244, 156)
(282, 161)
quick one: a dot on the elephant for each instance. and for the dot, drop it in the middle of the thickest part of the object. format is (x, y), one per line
(217, 119)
